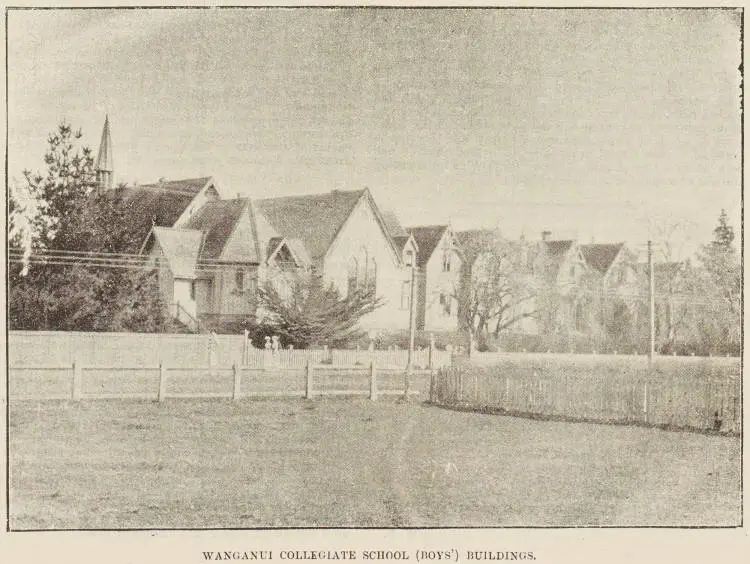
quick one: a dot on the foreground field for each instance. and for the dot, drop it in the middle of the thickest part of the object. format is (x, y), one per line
(353, 463)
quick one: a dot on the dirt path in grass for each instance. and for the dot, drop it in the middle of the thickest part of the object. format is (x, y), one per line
(404, 513)
(353, 463)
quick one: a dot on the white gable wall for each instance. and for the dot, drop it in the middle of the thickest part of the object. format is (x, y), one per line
(362, 232)
(439, 283)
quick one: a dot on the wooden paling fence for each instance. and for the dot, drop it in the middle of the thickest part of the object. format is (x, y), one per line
(78, 382)
(670, 398)
(60, 348)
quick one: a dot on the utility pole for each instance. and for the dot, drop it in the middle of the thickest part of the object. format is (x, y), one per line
(412, 326)
(651, 320)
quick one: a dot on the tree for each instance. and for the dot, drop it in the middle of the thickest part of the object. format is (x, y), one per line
(721, 289)
(673, 281)
(58, 215)
(60, 192)
(314, 313)
(498, 288)
(721, 262)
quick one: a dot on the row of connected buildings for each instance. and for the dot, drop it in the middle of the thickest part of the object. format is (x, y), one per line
(216, 252)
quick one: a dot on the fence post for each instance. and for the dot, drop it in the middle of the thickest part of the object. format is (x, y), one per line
(506, 398)
(373, 381)
(162, 382)
(77, 381)
(432, 386)
(246, 333)
(645, 398)
(431, 353)
(237, 374)
(308, 380)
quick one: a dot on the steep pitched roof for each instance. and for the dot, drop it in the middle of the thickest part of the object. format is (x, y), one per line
(400, 242)
(393, 225)
(189, 185)
(558, 248)
(217, 220)
(314, 219)
(181, 248)
(104, 157)
(600, 256)
(668, 269)
(159, 204)
(398, 234)
(427, 238)
(295, 247)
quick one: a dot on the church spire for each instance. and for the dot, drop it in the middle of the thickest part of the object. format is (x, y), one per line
(104, 166)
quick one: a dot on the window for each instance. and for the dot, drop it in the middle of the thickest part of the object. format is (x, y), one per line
(363, 264)
(362, 273)
(405, 294)
(192, 289)
(252, 287)
(409, 261)
(371, 279)
(352, 277)
(283, 288)
(445, 301)
(239, 280)
(621, 275)
(580, 317)
(447, 262)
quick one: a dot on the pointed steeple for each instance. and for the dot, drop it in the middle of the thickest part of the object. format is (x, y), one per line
(104, 165)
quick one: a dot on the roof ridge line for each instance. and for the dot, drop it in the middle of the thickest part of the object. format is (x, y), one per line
(330, 192)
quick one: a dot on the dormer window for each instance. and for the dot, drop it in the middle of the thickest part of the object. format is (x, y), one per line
(447, 262)
(409, 260)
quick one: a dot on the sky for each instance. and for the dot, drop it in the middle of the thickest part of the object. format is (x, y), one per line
(604, 125)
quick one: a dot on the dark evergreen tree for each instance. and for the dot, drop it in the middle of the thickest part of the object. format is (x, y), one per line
(64, 221)
(314, 313)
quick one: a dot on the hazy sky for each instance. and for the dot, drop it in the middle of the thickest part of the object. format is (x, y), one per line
(597, 123)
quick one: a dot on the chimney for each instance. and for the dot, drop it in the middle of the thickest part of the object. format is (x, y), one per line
(546, 235)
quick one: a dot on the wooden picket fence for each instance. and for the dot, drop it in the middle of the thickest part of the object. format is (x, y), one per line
(708, 399)
(79, 382)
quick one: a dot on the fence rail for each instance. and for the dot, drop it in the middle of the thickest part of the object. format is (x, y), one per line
(708, 398)
(79, 382)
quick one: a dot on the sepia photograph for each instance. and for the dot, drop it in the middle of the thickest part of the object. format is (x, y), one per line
(374, 268)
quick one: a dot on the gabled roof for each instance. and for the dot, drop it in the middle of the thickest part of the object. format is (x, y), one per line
(217, 221)
(295, 246)
(668, 269)
(558, 248)
(400, 242)
(393, 225)
(314, 219)
(427, 238)
(181, 248)
(600, 256)
(159, 204)
(189, 185)
(399, 235)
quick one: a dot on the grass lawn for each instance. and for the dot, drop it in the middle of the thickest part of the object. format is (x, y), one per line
(353, 463)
